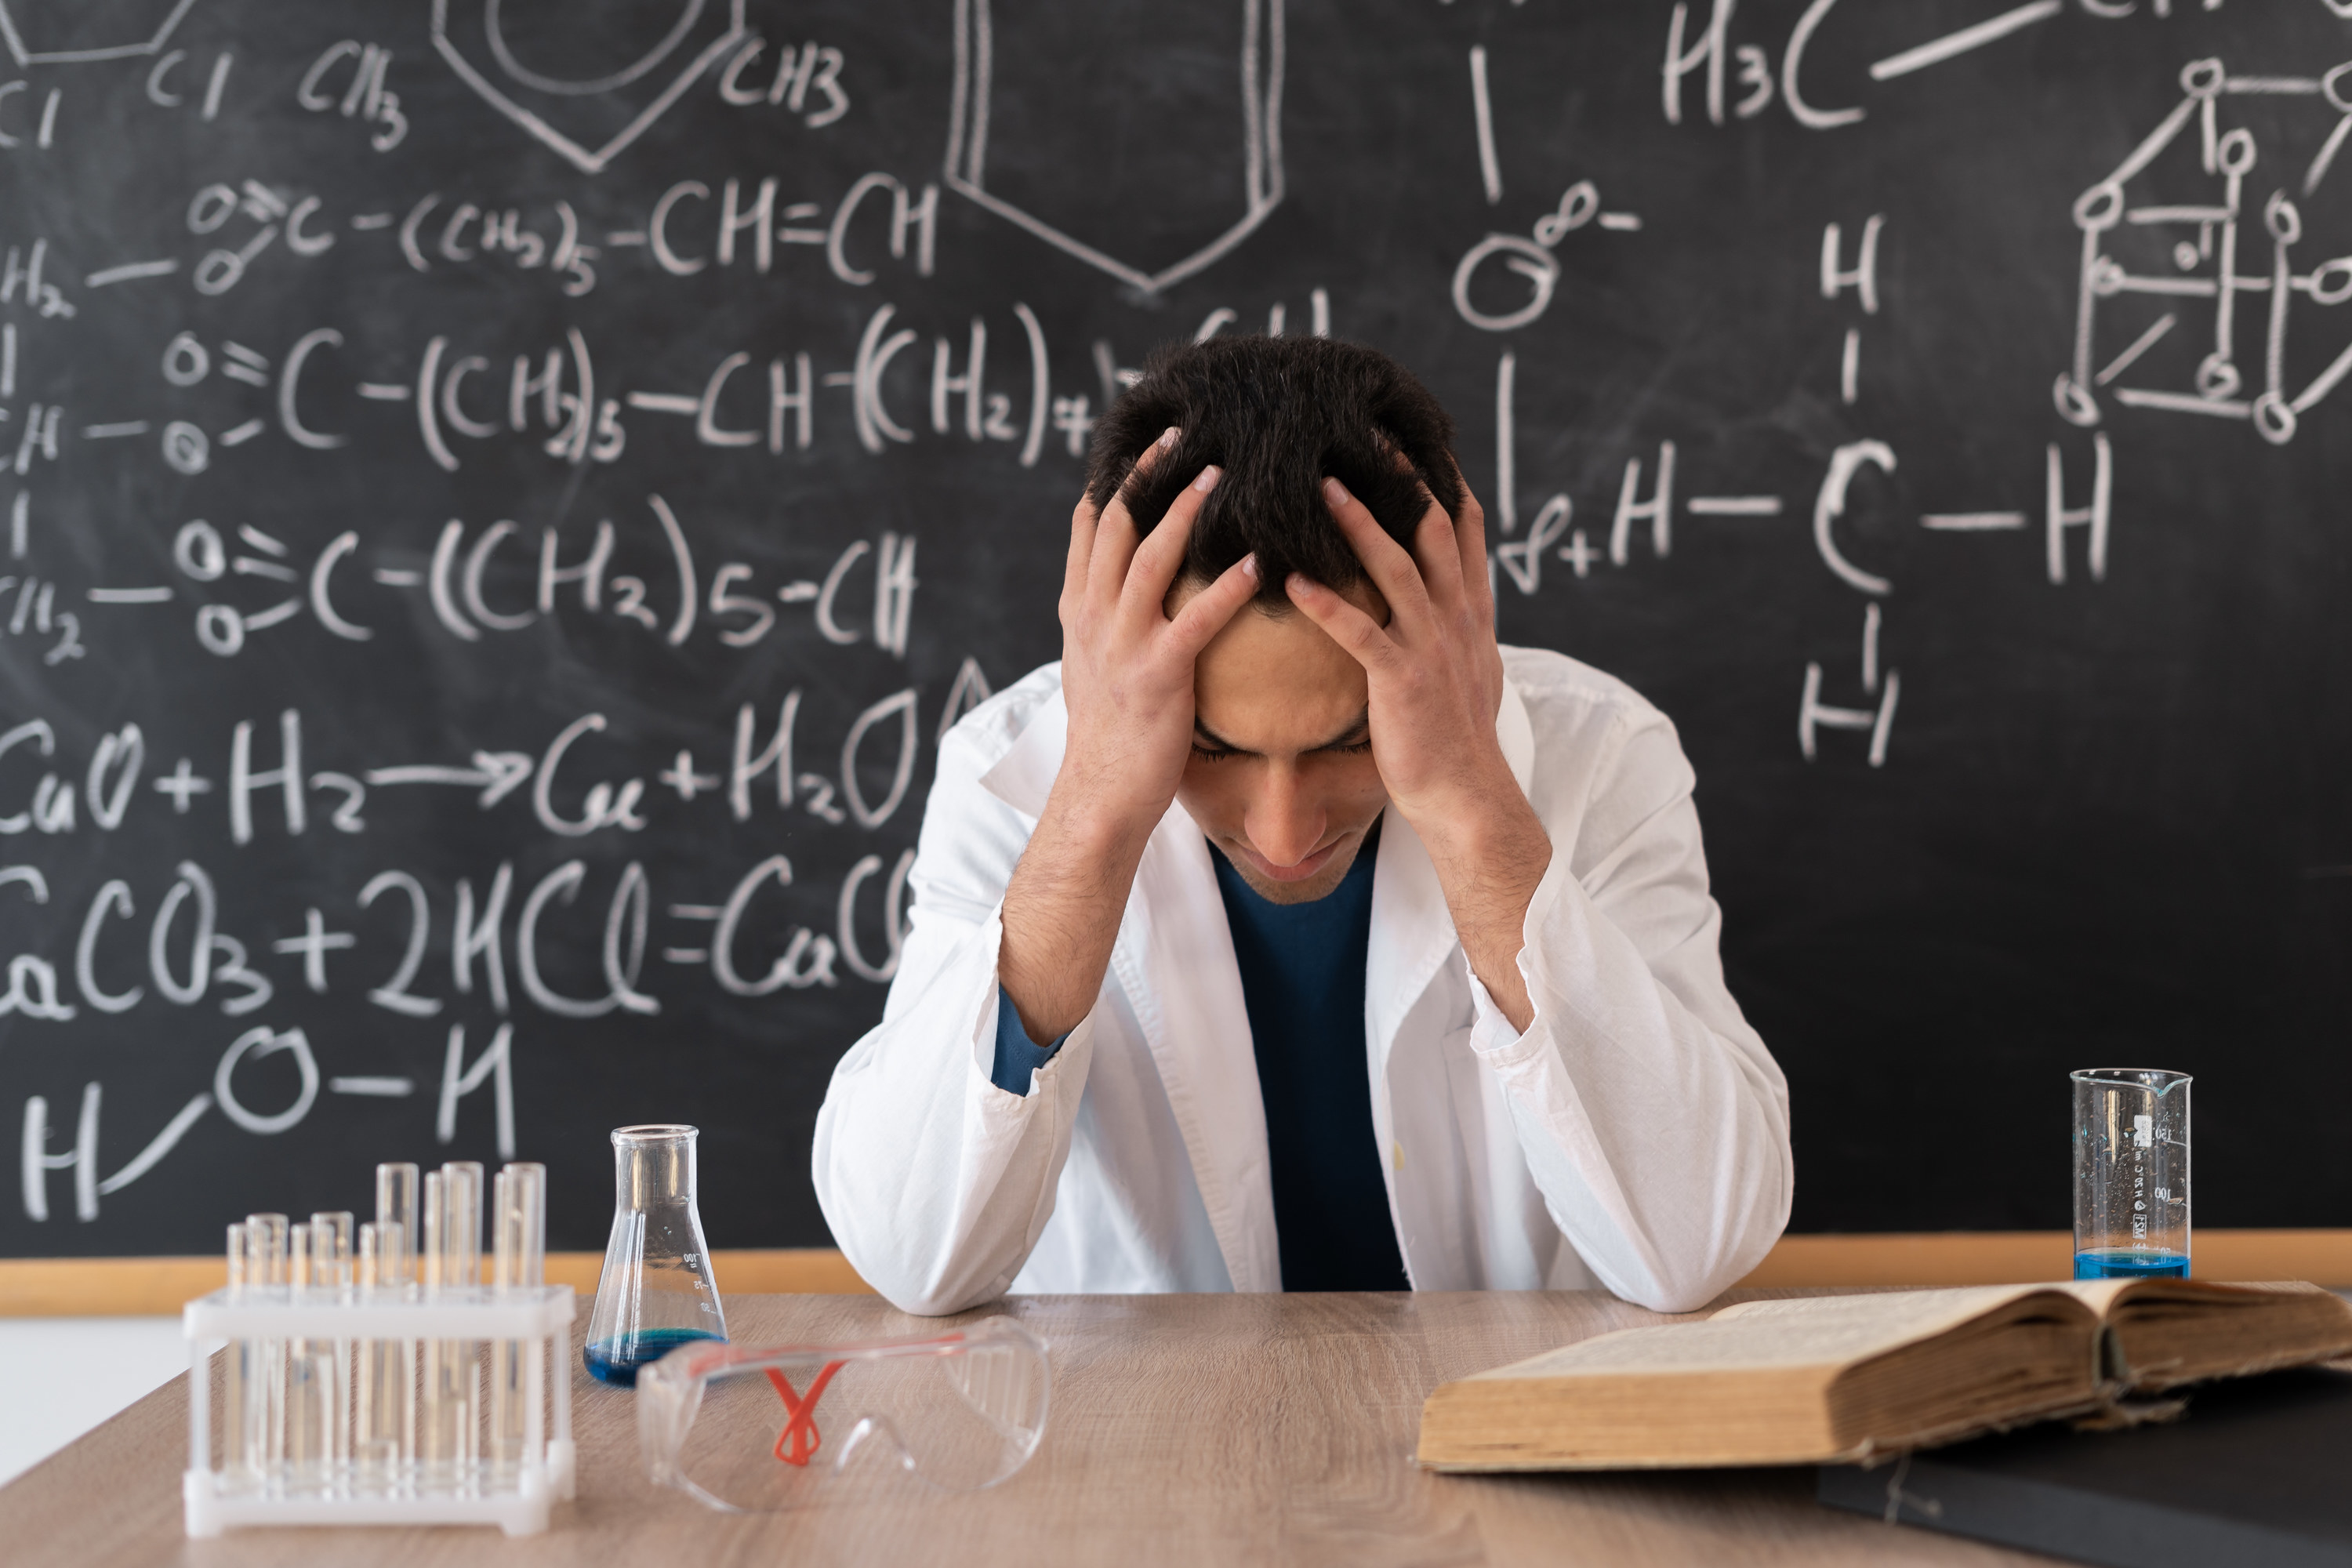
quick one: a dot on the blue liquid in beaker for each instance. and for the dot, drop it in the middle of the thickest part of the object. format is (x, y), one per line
(616, 1360)
(2130, 1263)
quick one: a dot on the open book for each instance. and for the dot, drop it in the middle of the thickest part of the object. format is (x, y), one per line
(1845, 1378)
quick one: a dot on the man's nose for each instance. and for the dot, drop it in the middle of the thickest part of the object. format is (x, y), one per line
(1285, 822)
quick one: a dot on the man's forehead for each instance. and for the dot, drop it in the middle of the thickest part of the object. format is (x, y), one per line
(1277, 683)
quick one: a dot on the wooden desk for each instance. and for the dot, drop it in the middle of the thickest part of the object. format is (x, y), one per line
(1208, 1429)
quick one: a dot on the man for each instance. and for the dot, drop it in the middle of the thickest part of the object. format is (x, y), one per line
(1289, 932)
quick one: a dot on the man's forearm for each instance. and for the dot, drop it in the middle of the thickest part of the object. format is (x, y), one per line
(1062, 911)
(1490, 856)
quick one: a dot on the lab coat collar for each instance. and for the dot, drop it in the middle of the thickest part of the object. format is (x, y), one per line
(1023, 777)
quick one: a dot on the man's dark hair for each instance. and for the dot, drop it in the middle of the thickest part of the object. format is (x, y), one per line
(1277, 415)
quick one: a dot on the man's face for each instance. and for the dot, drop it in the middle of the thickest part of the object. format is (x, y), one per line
(1281, 776)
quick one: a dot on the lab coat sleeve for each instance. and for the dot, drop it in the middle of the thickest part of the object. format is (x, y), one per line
(1653, 1119)
(937, 1183)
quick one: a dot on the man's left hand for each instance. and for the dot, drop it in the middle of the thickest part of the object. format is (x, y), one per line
(1435, 680)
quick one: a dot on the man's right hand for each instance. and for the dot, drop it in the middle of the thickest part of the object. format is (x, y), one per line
(1126, 666)
(1126, 681)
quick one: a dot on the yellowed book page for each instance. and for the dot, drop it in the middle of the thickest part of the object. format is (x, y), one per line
(2175, 1331)
(1816, 1331)
(2101, 1295)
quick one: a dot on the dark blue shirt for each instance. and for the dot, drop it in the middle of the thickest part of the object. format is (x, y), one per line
(1302, 968)
(1303, 981)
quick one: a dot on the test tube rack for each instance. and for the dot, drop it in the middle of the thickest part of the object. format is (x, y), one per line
(515, 1496)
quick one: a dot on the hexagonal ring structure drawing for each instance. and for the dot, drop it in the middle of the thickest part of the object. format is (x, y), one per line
(25, 26)
(588, 160)
(1261, 67)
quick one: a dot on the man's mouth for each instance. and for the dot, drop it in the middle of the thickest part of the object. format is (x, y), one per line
(1297, 873)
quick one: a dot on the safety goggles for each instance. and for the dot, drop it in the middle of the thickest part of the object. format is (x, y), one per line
(753, 1430)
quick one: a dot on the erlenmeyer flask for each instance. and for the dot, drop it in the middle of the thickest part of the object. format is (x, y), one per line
(656, 1293)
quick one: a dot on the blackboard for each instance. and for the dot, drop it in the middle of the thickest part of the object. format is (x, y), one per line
(445, 446)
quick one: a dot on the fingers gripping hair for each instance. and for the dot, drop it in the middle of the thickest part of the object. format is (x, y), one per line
(1277, 415)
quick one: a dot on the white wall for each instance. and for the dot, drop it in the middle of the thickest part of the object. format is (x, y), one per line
(61, 1376)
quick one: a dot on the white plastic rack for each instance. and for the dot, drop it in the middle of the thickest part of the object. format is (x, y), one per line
(515, 1495)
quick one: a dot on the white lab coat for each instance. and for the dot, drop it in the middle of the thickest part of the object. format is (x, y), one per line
(1635, 1136)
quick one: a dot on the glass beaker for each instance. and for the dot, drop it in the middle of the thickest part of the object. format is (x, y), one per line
(2131, 1174)
(656, 1293)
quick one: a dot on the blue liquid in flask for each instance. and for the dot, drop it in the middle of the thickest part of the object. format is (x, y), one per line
(2130, 1263)
(618, 1360)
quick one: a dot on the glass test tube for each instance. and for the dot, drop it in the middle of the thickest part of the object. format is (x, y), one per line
(310, 1373)
(331, 1247)
(432, 1444)
(395, 1204)
(449, 1415)
(384, 1394)
(461, 1188)
(235, 1462)
(519, 1261)
(398, 1237)
(265, 1424)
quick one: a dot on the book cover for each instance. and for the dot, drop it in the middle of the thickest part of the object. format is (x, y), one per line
(2252, 1473)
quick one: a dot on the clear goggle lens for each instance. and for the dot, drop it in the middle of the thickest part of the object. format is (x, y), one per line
(752, 1430)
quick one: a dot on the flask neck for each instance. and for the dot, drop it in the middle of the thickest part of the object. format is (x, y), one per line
(654, 1172)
